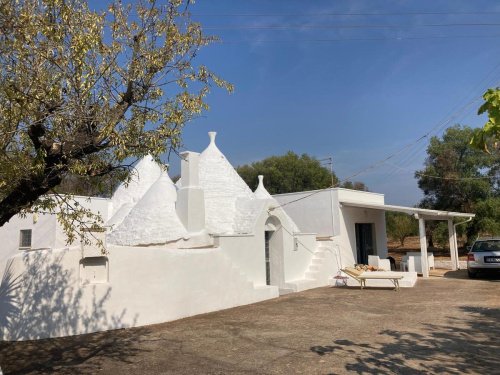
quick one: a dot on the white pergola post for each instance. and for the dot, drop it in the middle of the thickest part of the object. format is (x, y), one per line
(453, 245)
(423, 248)
(456, 246)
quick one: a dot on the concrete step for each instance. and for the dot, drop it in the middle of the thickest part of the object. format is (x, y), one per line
(314, 267)
(317, 261)
(263, 292)
(312, 275)
(284, 291)
(303, 284)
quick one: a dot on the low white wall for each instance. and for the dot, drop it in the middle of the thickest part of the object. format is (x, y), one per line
(247, 253)
(43, 295)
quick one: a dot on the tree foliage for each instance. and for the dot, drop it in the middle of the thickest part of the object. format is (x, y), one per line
(356, 185)
(288, 173)
(488, 137)
(458, 177)
(400, 226)
(292, 173)
(83, 92)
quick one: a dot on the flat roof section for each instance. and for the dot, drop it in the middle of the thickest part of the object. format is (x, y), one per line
(421, 212)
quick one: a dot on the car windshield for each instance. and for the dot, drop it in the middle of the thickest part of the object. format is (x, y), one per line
(489, 245)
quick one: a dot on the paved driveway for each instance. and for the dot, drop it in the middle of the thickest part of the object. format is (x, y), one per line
(443, 325)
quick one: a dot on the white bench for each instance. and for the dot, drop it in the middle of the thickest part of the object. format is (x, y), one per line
(361, 276)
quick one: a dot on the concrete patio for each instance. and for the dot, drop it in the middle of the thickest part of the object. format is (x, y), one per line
(446, 324)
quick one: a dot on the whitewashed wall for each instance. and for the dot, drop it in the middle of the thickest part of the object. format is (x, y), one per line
(43, 233)
(349, 216)
(46, 231)
(314, 213)
(246, 252)
(298, 258)
(44, 295)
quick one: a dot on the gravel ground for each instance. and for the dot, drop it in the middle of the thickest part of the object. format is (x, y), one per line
(445, 325)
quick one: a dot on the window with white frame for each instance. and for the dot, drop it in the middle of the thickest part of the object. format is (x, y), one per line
(25, 239)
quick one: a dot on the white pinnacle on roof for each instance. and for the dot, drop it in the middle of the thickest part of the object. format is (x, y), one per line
(261, 193)
(153, 220)
(145, 173)
(222, 187)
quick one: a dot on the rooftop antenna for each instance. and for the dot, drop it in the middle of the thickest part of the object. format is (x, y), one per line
(328, 161)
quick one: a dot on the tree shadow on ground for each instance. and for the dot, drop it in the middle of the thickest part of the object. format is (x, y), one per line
(69, 355)
(467, 345)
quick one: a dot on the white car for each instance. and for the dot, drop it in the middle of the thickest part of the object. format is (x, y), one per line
(484, 255)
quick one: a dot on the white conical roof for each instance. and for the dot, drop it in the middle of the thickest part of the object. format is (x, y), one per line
(153, 220)
(144, 175)
(222, 187)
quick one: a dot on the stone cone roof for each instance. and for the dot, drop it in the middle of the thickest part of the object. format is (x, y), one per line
(222, 188)
(145, 174)
(153, 220)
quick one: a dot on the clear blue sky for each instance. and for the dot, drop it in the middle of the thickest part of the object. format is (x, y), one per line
(358, 93)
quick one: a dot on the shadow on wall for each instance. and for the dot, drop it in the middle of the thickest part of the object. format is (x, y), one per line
(40, 296)
(465, 346)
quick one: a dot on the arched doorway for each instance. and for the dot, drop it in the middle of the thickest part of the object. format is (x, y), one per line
(273, 252)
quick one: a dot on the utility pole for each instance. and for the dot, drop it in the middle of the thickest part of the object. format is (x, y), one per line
(328, 161)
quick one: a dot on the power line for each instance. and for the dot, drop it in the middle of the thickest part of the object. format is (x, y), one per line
(340, 14)
(224, 41)
(378, 163)
(322, 27)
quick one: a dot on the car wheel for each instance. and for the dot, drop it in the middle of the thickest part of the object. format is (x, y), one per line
(472, 274)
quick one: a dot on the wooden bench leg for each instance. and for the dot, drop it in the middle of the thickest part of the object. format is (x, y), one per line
(396, 284)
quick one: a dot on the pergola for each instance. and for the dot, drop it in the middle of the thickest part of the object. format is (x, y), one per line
(422, 215)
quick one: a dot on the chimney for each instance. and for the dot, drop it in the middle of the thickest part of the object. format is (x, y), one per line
(190, 205)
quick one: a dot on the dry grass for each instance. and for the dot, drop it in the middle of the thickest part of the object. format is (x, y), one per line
(413, 244)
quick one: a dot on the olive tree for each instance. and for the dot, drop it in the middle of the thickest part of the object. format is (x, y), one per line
(83, 92)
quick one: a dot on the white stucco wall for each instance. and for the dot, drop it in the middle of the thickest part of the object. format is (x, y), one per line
(348, 217)
(312, 211)
(45, 296)
(246, 252)
(298, 258)
(43, 233)
(359, 196)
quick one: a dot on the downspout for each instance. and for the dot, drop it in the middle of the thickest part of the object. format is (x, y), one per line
(456, 244)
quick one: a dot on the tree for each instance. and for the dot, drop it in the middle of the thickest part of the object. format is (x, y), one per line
(457, 177)
(291, 173)
(356, 185)
(288, 173)
(84, 92)
(400, 226)
(488, 137)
